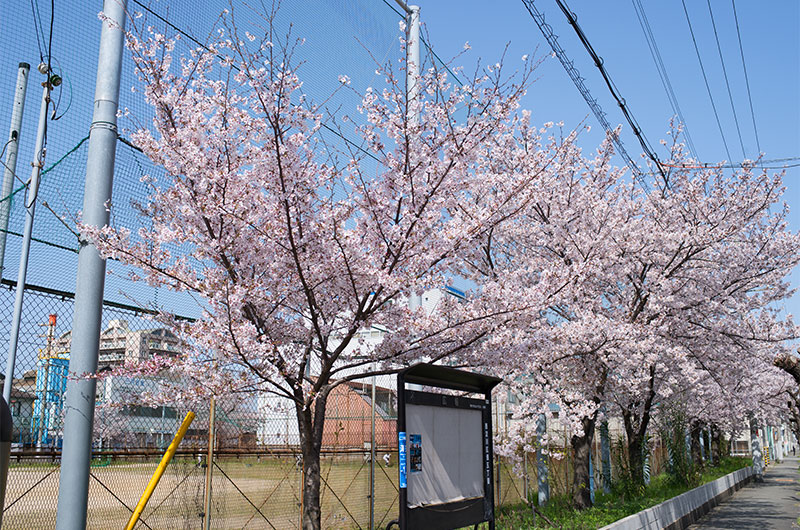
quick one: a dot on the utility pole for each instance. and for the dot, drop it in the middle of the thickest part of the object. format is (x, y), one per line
(12, 147)
(73, 490)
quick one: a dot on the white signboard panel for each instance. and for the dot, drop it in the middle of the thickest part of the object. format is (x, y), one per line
(445, 454)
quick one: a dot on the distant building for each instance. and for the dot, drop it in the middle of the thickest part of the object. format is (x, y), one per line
(130, 424)
(21, 405)
(348, 418)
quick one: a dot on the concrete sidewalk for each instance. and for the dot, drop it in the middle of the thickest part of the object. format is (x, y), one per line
(773, 504)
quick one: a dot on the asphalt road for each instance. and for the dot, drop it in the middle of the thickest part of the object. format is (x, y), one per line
(773, 504)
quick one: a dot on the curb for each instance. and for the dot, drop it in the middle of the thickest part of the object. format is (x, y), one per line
(681, 511)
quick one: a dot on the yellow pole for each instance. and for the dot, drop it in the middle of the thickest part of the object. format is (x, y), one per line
(162, 466)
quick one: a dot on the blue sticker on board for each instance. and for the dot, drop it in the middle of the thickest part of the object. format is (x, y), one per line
(401, 458)
(415, 453)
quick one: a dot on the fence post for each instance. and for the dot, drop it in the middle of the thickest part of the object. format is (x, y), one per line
(209, 464)
(499, 486)
(73, 491)
(6, 429)
(605, 456)
(372, 454)
(543, 487)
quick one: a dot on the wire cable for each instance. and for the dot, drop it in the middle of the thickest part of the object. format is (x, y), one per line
(746, 78)
(37, 25)
(578, 80)
(662, 71)
(705, 78)
(615, 93)
(731, 166)
(725, 75)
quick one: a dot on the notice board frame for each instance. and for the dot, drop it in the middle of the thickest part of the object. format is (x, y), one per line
(454, 514)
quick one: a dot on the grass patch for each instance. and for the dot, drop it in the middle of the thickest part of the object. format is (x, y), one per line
(608, 507)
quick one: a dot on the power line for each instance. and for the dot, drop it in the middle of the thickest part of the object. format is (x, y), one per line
(746, 78)
(705, 78)
(662, 71)
(573, 73)
(725, 75)
(37, 26)
(730, 166)
(612, 87)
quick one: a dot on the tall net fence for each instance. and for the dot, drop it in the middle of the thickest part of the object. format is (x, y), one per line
(254, 476)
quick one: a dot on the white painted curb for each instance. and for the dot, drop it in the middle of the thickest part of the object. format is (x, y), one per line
(681, 511)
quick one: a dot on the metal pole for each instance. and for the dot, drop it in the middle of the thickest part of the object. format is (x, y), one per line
(73, 491)
(12, 147)
(209, 464)
(6, 429)
(412, 65)
(372, 463)
(30, 208)
(402, 453)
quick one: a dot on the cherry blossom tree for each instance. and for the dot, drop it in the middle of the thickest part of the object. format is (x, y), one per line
(645, 295)
(557, 258)
(293, 244)
(707, 274)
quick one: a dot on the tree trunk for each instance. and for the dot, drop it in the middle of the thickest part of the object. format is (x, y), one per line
(697, 456)
(311, 421)
(312, 513)
(794, 409)
(605, 449)
(581, 453)
(636, 425)
(636, 461)
(635, 444)
(789, 364)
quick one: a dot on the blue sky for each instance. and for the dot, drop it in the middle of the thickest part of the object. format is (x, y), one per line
(770, 34)
(345, 37)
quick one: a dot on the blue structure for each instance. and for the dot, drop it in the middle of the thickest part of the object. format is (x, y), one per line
(49, 403)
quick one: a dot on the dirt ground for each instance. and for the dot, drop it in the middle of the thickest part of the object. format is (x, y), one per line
(247, 493)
